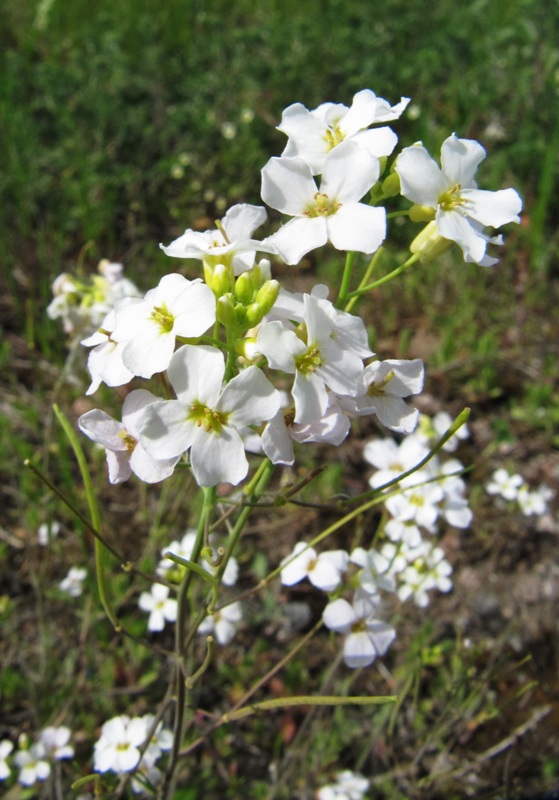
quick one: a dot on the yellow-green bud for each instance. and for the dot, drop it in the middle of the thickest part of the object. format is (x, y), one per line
(254, 314)
(267, 295)
(247, 348)
(244, 289)
(219, 276)
(225, 311)
(421, 213)
(391, 185)
(429, 244)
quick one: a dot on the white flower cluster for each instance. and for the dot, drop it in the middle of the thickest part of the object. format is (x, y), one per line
(162, 608)
(223, 339)
(513, 487)
(82, 303)
(128, 744)
(348, 786)
(34, 761)
(433, 494)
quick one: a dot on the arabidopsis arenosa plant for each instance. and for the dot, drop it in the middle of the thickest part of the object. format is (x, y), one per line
(460, 208)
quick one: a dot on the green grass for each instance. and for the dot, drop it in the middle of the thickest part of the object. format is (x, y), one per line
(115, 123)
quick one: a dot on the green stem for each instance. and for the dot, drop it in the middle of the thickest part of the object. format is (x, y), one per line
(346, 279)
(100, 549)
(181, 638)
(366, 277)
(395, 272)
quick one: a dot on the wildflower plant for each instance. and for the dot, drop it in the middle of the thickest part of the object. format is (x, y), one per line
(249, 372)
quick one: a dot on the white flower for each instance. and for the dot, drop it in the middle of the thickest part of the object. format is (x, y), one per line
(6, 748)
(230, 243)
(148, 328)
(315, 134)
(391, 460)
(118, 746)
(324, 570)
(428, 570)
(533, 503)
(349, 786)
(381, 389)
(73, 582)
(504, 484)
(461, 209)
(161, 740)
(105, 360)
(366, 636)
(223, 623)
(32, 764)
(161, 607)
(419, 503)
(55, 741)
(318, 363)
(47, 531)
(376, 570)
(206, 418)
(280, 433)
(332, 213)
(125, 453)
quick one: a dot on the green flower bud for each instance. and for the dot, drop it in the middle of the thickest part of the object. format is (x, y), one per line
(429, 244)
(244, 289)
(391, 185)
(225, 311)
(267, 295)
(421, 213)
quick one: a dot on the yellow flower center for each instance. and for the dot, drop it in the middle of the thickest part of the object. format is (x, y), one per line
(333, 137)
(323, 206)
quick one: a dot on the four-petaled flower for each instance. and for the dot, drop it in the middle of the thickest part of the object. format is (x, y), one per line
(461, 209)
(332, 213)
(206, 417)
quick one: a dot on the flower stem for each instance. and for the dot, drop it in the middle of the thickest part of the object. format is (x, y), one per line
(394, 274)
(346, 278)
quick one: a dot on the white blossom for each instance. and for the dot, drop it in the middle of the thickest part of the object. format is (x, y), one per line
(324, 570)
(366, 636)
(72, 584)
(313, 135)
(148, 328)
(160, 606)
(118, 747)
(332, 213)
(223, 623)
(461, 209)
(206, 417)
(125, 453)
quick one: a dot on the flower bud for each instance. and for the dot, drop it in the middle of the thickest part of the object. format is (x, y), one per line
(391, 185)
(225, 311)
(421, 213)
(267, 295)
(244, 290)
(429, 244)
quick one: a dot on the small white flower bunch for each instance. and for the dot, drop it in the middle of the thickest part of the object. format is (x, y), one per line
(366, 636)
(513, 487)
(433, 494)
(34, 760)
(347, 786)
(132, 744)
(82, 303)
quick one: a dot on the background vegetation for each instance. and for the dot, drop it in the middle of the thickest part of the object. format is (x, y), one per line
(126, 122)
